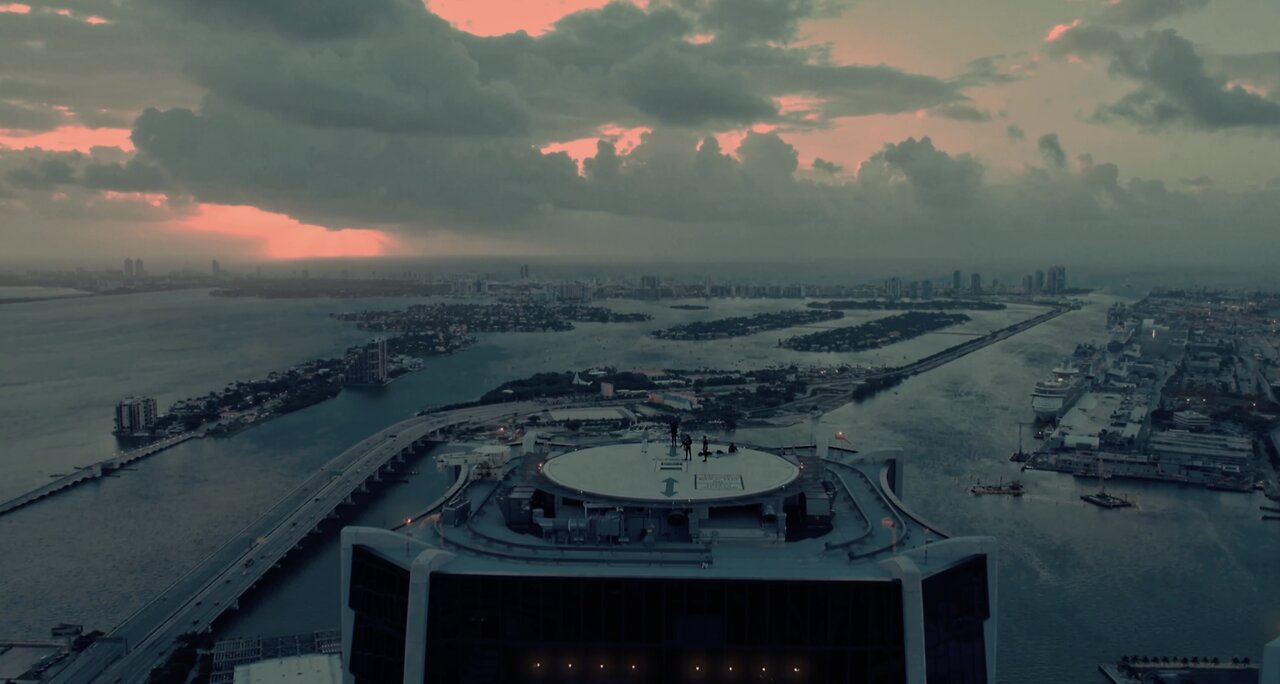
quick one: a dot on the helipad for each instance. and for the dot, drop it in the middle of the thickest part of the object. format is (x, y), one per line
(657, 472)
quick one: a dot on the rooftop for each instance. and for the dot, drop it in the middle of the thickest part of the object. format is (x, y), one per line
(652, 472)
(601, 505)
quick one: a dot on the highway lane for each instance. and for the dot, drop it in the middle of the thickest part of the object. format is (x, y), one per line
(195, 600)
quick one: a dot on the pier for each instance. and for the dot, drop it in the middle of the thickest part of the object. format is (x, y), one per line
(92, 472)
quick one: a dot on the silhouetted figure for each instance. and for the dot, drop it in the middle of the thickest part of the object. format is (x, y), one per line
(733, 448)
(688, 448)
(706, 449)
(675, 432)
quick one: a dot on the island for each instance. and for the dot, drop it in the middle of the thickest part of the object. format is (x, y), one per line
(739, 326)
(874, 334)
(478, 318)
(908, 305)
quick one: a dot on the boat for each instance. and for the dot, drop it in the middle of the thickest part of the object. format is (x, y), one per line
(1013, 488)
(1101, 498)
(1019, 456)
(1106, 500)
(1055, 395)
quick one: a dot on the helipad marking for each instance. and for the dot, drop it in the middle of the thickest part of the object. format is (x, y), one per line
(717, 482)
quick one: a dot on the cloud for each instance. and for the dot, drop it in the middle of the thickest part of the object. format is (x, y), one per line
(1051, 151)
(1015, 133)
(959, 111)
(761, 20)
(828, 167)
(939, 179)
(26, 116)
(677, 87)
(1146, 12)
(1175, 86)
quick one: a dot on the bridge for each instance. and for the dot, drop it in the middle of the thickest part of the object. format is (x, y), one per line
(146, 639)
(92, 472)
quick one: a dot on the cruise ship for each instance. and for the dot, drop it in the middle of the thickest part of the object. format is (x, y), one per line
(608, 561)
(1056, 394)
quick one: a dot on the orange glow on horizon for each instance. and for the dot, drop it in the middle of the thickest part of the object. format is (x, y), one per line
(498, 17)
(16, 8)
(278, 236)
(67, 139)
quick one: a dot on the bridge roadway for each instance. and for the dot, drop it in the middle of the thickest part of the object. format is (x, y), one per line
(94, 471)
(195, 600)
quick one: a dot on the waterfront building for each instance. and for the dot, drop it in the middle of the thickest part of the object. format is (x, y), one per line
(1191, 420)
(975, 283)
(926, 289)
(138, 269)
(1039, 284)
(955, 281)
(215, 269)
(1223, 452)
(128, 267)
(1027, 284)
(1057, 279)
(369, 367)
(893, 288)
(135, 415)
(624, 562)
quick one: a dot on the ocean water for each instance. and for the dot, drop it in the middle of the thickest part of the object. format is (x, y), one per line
(1188, 572)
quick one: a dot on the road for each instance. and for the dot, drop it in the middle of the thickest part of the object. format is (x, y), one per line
(194, 601)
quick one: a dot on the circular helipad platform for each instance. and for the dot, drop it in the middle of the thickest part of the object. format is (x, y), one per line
(660, 473)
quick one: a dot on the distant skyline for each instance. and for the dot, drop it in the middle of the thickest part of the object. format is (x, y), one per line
(1087, 131)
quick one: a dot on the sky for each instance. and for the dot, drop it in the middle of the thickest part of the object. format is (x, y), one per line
(1090, 131)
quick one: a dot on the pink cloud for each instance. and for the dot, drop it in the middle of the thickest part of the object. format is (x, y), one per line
(624, 140)
(16, 8)
(1247, 87)
(277, 236)
(730, 141)
(67, 139)
(1057, 31)
(497, 17)
(155, 199)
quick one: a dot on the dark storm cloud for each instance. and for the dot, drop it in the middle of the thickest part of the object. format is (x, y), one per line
(388, 79)
(43, 173)
(101, 74)
(760, 20)
(1015, 133)
(939, 179)
(48, 170)
(960, 111)
(307, 19)
(1051, 151)
(820, 164)
(684, 89)
(28, 116)
(1146, 12)
(1176, 87)
(618, 64)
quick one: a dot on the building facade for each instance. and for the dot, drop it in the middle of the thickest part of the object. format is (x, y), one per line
(627, 563)
(135, 415)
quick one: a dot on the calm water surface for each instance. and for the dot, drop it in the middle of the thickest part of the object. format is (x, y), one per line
(1188, 572)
